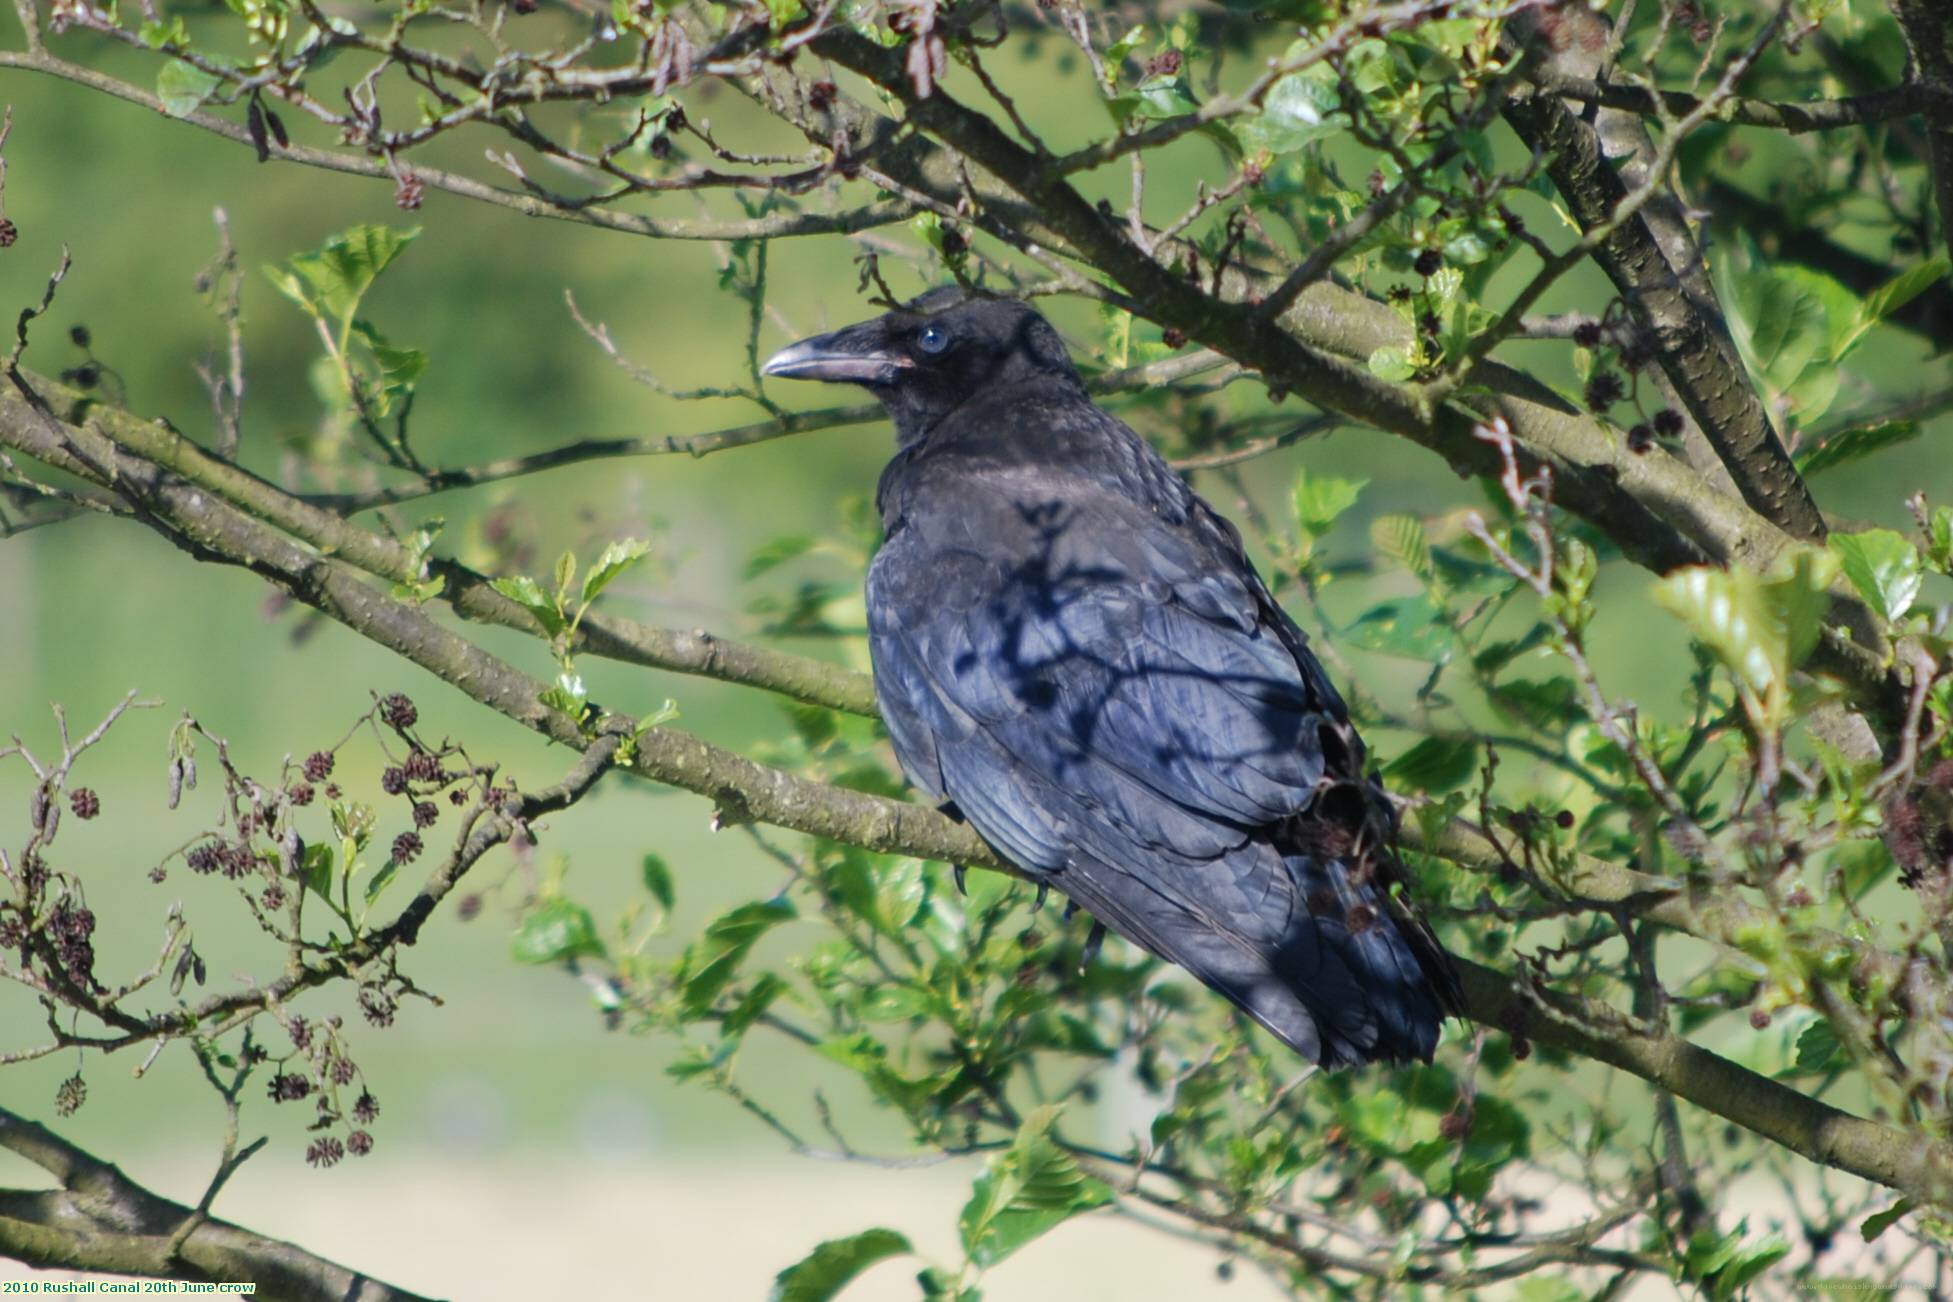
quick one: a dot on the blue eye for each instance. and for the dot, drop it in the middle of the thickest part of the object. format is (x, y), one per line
(932, 339)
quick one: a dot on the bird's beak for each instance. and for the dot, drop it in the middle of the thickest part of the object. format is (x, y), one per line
(856, 355)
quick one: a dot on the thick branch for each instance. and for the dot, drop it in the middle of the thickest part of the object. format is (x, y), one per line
(100, 1220)
(1654, 262)
(1928, 29)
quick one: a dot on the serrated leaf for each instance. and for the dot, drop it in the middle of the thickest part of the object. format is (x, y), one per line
(618, 557)
(1851, 444)
(1816, 1047)
(183, 87)
(712, 961)
(658, 880)
(829, 1268)
(556, 929)
(1031, 1187)
(341, 271)
(1883, 566)
(1401, 537)
(1321, 499)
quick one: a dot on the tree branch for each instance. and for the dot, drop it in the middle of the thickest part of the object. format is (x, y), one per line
(100, 1220)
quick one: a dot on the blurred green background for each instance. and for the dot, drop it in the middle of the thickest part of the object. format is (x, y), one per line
(523, 1149)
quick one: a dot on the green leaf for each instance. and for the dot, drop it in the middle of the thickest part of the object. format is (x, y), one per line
(1435, 764)
(616, 558)
(1391, 362)
(1816, 1047)
(1883, 566)
(1413, 627)
(1879, 1222)
(400, 372)
(713, 960)
(657, 880)
(1747, 1264)
(381, 879)
(1401, 537)
(1760, 627)
(184, 87)
(1891, 296)
(828, 1269)
(1849, 445)
(318, 869)
(750, 1007)
(1030, 1187)
(1321, 499)
(556, 929)
(345, 267)
(1298, 110)
(156, 35)
(528, 594)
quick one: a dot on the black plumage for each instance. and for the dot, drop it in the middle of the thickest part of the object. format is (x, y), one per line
(1073, 649)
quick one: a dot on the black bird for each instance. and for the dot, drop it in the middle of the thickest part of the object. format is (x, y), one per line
(1073, 651)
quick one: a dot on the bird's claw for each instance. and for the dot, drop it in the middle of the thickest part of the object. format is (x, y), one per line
(1092, 942)
(959, 872)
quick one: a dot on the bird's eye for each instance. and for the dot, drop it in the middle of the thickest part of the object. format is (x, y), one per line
(932, 340)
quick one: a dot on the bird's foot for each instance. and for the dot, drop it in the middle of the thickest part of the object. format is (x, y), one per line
(1037, 905)
(1092, 943)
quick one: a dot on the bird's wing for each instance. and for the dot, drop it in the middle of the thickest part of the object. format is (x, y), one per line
(1111, 701)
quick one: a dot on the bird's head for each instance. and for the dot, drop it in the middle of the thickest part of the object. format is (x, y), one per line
(929, 358)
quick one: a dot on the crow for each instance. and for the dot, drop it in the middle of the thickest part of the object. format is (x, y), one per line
(1073, 652)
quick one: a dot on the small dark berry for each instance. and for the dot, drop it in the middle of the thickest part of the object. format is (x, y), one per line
(422, 767)
(85, 376)
(1633, 358)
(378, 1007)
(79, 335)
(84, 802)
(1668, 423)
(70, 1095)
(300, 794)
(1640, 439)
(8, 233)
(407, 195)
(332, 791)
(300, 1030)
(820, 96)
(954, 245)
(407, 846)
(1587, 334)
(457, 797)
(365, 1108)
(324, 1152)
(273, 897)
(1604, 390)
(1174, 337)
(1564, 818)
(425, 813)
(318, 765)
(1429, 262)
(342, 1069)
(398, 711)
(1522, 1048)
(359, 1143)
(660, 147)
(393, 780)
(1759, 1020)
(1163, 64)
